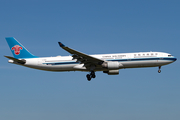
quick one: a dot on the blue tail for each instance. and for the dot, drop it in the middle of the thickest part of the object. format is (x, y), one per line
(18, 50)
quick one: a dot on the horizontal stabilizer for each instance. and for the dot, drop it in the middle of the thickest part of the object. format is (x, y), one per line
(16, 60)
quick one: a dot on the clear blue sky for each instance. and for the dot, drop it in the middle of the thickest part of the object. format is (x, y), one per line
(90, 26)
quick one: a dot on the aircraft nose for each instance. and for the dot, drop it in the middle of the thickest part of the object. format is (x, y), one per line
(175, 59)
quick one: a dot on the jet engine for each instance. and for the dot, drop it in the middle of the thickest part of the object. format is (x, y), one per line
(112, 65)
(112, 72)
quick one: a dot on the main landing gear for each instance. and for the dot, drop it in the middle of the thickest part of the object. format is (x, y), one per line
(91, 75)
(159, 71)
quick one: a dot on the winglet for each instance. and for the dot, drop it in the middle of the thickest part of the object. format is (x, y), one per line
(61, 45)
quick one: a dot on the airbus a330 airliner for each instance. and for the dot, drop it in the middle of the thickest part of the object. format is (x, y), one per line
(108, 63)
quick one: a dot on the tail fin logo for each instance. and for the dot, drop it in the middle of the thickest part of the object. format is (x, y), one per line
(16, 49)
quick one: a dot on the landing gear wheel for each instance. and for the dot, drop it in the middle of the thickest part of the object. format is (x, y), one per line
(93, 75)
(88, 77)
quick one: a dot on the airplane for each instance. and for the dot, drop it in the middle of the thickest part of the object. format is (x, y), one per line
(108, 63)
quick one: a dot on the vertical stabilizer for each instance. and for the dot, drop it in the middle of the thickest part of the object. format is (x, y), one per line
(17, 49)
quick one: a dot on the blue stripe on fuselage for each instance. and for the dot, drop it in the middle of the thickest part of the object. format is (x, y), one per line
(119, 60)
(61, 63)
(142, 59)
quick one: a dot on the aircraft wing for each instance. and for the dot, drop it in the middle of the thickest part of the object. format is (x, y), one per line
(87, 60)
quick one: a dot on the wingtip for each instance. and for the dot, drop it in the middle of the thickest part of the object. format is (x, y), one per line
(61, 45)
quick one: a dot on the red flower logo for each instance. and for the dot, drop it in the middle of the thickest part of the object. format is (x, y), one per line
(16, 49)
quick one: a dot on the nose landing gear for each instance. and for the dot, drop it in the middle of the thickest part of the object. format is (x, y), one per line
(159, 71)
(91, 75)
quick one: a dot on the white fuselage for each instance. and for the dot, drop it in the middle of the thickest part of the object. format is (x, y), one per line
(127, 60)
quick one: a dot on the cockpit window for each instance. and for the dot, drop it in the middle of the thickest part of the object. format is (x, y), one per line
(169, 55)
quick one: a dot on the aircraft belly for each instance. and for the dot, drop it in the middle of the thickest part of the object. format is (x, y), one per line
(134, 64)
(53, 67)
(60, 67)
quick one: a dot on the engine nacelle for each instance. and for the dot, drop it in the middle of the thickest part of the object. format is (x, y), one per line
(112, 72)
(112, 65)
